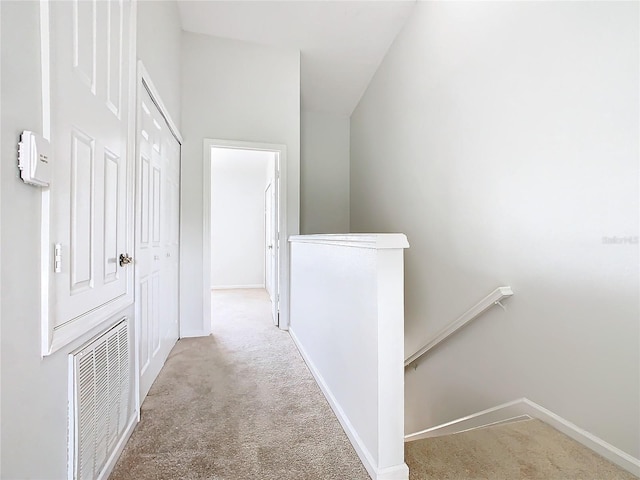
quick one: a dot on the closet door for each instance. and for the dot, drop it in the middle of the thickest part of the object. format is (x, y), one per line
(157, 240)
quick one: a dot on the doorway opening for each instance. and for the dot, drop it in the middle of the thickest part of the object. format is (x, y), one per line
(244, 222)
(243, 246)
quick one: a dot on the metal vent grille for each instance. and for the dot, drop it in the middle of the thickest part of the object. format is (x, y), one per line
(99, 408)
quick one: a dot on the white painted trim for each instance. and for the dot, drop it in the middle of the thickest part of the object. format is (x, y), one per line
(376, 241)
(194, 333)
(71, 423)
(283, 216)
(46, 328)
(111, 463)
(524, 408)
(395, 472)
(91, 323)
(46, 307)
(478, 309)
(143, 75)
(490, 416)
(236, 287)
(1, 266)
(598, 445)
(45, 61)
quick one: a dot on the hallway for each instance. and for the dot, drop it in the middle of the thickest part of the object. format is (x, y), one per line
(240, 404)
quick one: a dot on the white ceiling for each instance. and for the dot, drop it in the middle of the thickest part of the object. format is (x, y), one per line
(341, 42)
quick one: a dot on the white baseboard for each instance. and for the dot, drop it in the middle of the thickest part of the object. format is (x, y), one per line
(522, 409)
(108, 468)
(608, 451)
(236, 287)
(396, 472)
(510, 411)
(194, 333)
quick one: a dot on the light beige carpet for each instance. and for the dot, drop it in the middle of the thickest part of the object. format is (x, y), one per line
(529, 450)
(240, 404)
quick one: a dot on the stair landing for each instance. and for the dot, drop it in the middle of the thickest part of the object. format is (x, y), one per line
(528, 449)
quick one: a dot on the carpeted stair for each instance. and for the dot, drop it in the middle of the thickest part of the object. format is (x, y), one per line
(530, 450)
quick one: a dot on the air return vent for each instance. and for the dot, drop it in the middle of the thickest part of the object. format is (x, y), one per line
(99, 381)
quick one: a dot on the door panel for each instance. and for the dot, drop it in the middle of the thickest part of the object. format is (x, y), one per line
(90, 95)
(156, 205)
(268, 240)
(157, 245)
(112, 167)
(85, 41)
(82, 213)
(154, 338)
(275, 239)
(142, 302)
(114, 55)
(171, 237)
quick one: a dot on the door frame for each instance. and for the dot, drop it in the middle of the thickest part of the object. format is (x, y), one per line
(143, 80)
(283, 243)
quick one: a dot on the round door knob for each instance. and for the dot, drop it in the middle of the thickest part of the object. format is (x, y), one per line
(125, 259)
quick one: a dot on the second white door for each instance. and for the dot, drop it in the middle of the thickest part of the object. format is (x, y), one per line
(157, 241)
(271, 248)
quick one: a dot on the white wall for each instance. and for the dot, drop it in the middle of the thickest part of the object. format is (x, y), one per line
(238, 182)
(347, 319)
(34, 390)
(324, 173)
(159, 38)
(502, 138)
(232, 91)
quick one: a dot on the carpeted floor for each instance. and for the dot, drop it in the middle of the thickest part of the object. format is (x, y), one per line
(240, 404)
(529, 450)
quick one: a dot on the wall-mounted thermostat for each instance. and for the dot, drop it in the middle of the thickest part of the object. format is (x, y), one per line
(34, 159)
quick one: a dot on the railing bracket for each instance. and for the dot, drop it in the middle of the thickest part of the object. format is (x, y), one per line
(501, 305)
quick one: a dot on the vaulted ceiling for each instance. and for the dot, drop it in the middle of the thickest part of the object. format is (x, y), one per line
(341, 42)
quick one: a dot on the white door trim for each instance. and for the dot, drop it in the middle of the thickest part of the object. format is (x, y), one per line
(283, 244)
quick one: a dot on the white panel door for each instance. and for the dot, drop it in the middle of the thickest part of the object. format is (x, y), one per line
(268, 240)
(157, 240)
(90, 126)
(271, 261)
(170, 237)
